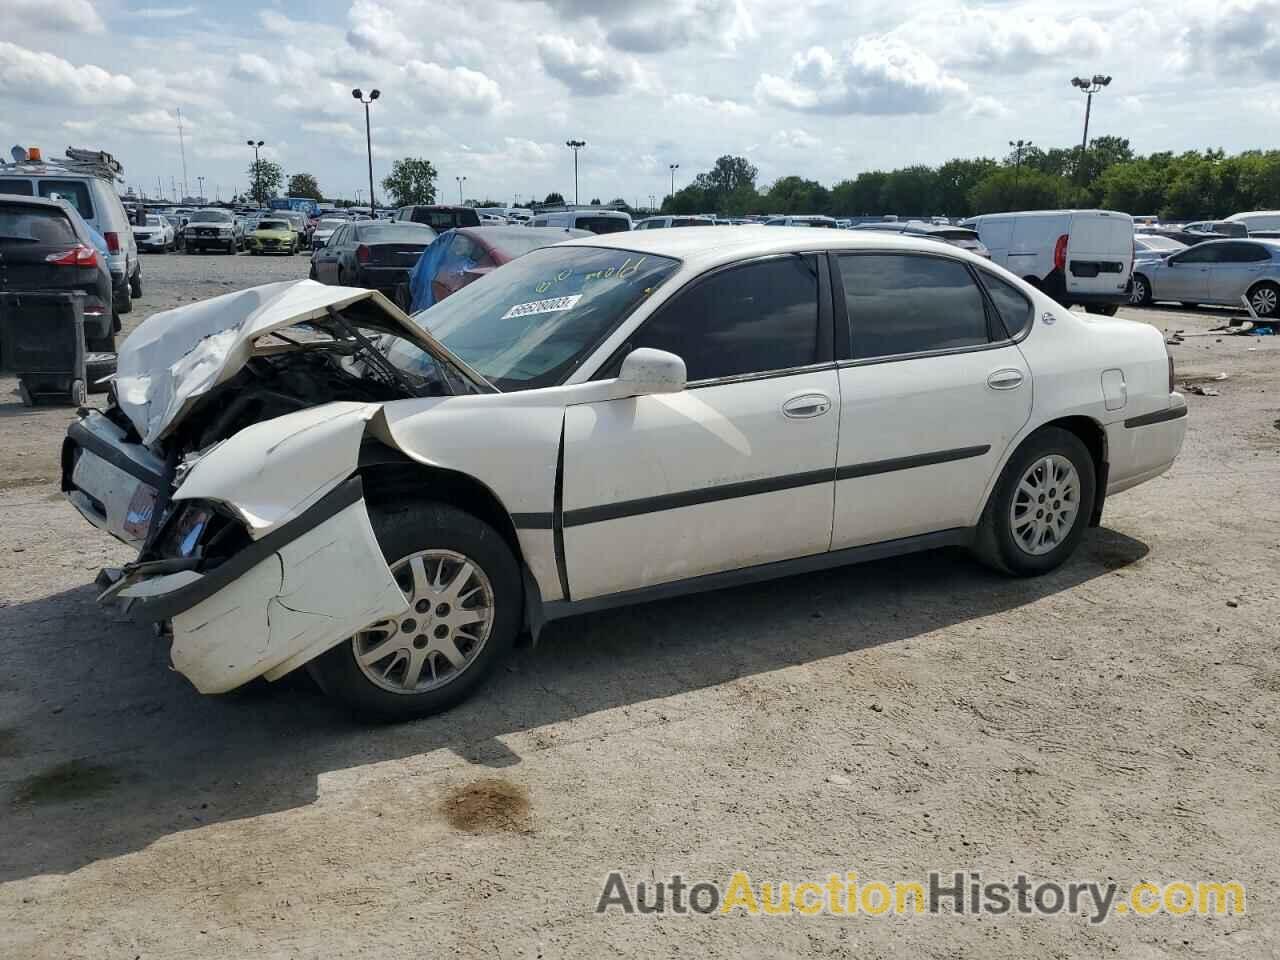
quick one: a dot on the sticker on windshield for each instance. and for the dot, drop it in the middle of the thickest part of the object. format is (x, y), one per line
(554, 305)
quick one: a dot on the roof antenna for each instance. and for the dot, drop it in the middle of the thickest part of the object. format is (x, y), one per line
(182, 146)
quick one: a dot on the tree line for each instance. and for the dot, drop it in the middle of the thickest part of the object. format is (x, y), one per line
(1193, 185)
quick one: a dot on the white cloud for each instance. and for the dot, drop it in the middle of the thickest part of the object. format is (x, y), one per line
(796, 139)
(1007, 39)
(682, 23)
(453, 89)
(1235, 36)
(162, 13)
(77, 16)
(874, 75)
(694, 101)
(586, 69)
(27, 75)
(255, 69)
(375, 28)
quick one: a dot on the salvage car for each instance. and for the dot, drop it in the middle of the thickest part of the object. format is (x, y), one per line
(459, 257)
(45, 245)
(212, 229)
(314, 478)
(272, 235)
(377, 254)
(155, 234)
(1223, 272)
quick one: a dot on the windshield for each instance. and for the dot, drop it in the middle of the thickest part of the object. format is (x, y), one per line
(1161, 244)
(530, 323)
(330, 224)
(211, 216)
(273, 225)
(154, 222)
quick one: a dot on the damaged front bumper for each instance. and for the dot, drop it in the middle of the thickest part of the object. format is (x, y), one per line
(274, 603)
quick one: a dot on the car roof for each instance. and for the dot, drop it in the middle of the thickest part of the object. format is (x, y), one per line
(710, 247)
(16, 198)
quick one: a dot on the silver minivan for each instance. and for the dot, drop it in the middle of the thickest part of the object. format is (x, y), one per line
(85, 180)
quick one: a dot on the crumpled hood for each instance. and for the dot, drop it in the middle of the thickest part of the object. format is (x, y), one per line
(175, 357)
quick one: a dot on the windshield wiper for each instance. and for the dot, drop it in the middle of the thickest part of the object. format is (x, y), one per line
(379, 366)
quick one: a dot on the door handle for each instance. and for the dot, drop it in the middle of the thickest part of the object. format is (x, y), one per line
(807, 405)
(1005, 379)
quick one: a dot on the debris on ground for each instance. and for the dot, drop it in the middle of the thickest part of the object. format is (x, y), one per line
(1204, 391)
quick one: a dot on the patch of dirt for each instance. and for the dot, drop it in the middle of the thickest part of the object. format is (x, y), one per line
(16, 483)
(73, 780)
(491, 805)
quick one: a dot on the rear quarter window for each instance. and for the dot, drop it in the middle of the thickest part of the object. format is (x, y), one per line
(1014, 309)
(21, 188)
(602, 224)
(75, 192)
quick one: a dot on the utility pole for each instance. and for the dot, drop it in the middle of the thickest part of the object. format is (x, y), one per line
(200, 180)
(673, 167)
(575, 146)
(461, 181)
(1018, 147)
(1088, 86)
(182, 147)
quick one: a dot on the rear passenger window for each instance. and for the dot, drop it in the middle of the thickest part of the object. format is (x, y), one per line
(1014, 308)
(902, 304)
(75, 192)
(20, 187)
(751, 319)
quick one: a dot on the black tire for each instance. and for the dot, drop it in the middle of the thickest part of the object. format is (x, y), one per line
(77, 394)
(1269, 308)
(1190, 306)
(100, 344)
(997, 545)
(1141, 296)
(1106, 309)
(312, 275)
(135, 284)
(404, 528)
(231, 248)
(124, 305)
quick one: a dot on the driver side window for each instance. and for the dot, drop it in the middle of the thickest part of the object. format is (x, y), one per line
(1198, 254)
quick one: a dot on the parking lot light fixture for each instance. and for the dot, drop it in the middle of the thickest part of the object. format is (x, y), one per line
(358, 94)
(1088, 86)
(575, 146)
(1019, 146)
(673, 167)
(257, 178)
(461, 181)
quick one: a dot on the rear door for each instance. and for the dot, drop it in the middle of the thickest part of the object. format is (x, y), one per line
(1240, 264)
(1099, 253)
(326, 258)
(734, 471)
(933, 390)
(1031, 245)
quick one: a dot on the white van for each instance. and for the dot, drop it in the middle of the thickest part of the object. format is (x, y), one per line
(597, 221)
(1075, 256)
(1258, 221)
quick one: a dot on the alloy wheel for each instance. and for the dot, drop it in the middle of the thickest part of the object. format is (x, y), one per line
(1139, 294)
(1264, 301)
(450, 617)
(1045, 505)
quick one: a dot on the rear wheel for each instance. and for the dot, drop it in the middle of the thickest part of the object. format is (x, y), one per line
(1106, 309)
(231, 248)
(1041, 505)
(135, 284)
(464, 595)
(1265, 300)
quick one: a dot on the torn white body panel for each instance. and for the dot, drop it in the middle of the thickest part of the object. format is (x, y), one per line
(175, 357)
(308, 596)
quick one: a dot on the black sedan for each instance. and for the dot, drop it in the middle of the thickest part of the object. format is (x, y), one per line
(46, 245)
(375, 254)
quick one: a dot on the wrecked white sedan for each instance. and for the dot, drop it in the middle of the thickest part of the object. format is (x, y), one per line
(314, 478)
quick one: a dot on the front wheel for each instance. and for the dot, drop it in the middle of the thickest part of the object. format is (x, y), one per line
(231, 249)
(464, 595)
(1140, 295)
(1265, 300)
(1041, 505)
(1106, 310)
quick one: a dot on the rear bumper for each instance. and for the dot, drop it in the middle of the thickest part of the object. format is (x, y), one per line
(1120, 297)
(1144, 446)
(384, 279)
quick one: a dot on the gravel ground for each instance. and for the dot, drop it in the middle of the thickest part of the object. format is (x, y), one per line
(1116, 719)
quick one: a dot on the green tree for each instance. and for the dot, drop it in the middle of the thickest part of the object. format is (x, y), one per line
(553, 198)
(795, 195)
(265, 178)
(304, 185)
(956, 180)
(412, 180)
(1005, 189)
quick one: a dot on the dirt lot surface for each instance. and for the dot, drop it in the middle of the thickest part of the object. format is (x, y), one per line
(1117, 719)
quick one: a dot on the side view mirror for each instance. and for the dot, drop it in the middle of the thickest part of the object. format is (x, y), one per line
(645, 371)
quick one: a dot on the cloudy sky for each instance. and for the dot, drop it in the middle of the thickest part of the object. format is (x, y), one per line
(491, 89)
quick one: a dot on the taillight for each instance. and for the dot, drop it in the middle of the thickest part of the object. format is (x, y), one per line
(362, 253)
(1060, 253)
(113, 241)
(1172, 381)
(77, 256)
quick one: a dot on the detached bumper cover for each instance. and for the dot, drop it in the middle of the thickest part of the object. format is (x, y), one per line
(283, 600)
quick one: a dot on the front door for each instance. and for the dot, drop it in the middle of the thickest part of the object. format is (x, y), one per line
(734, 471)
(933, 391)
(1186, 275)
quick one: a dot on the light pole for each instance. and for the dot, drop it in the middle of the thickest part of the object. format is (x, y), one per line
(575, 146)
(200, 180)
(1018, 147)
(461, 181)
(257, 171)
(358, 94)
(1088, 86)
(673, 167)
